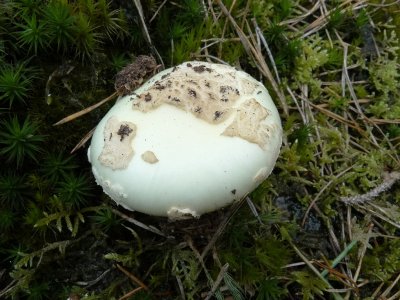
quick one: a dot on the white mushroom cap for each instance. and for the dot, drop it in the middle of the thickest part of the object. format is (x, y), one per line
(191, 140)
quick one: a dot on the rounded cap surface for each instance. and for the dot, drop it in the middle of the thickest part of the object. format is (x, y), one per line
(192, 139)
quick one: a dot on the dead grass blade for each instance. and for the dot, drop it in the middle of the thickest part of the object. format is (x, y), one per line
(257, 56)
(229, 214)
(86, 110)
(146, 34)
(83, 141)
(132, 277)
(139, 224)
(287, 237)
(218, 281)
(321, 192)
(131, 293)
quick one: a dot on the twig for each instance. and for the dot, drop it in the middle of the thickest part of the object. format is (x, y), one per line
(388, 290)
(346, 77)
(388, 181)
(132, 277)
(383, 121)
(204, 8)
(131, 293)
(218, 281)
(348, 80)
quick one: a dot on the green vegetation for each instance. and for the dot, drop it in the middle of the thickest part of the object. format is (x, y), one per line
(13, 190)
(74, 190)
(324, 225)
(57, 166)
(19, 142)
(15, 83)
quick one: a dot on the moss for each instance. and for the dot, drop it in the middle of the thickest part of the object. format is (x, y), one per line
(382, 262)
(313, 56)
(341, 139)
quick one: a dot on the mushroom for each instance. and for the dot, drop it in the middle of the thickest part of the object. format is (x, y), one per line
(191, 140)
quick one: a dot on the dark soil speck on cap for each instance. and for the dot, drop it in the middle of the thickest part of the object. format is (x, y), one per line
(217, 114)
(147, 97)
(124, 131)
(201, 69)
(192, 93)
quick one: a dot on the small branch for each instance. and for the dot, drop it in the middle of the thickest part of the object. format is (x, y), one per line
(131, 293)
(388, 181)
(132, 277)
(218, 281)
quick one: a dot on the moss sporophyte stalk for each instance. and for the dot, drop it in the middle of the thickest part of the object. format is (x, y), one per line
(324, 224)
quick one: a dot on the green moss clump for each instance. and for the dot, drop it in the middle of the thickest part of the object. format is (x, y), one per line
(332, 69)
